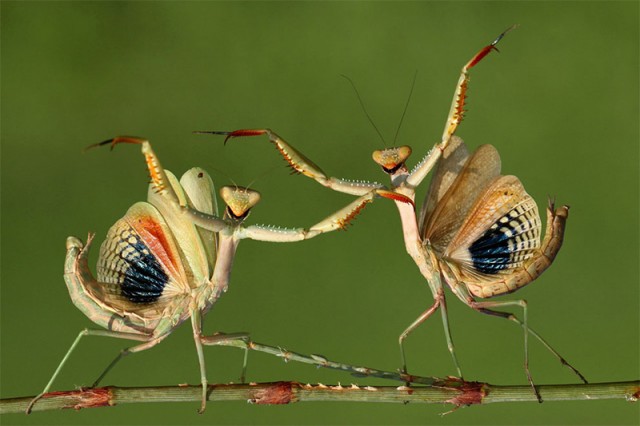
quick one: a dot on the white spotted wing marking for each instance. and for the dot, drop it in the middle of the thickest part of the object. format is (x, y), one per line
(139, 266)
(482, 223)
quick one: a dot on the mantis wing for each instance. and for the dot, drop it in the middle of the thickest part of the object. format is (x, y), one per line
(453, 206)
(200, 192)
(191, 247)
(139, 266)
(448, 169)
(500, 233)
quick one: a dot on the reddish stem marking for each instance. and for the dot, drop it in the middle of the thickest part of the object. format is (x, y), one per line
(276, 393)
(470, 393)
(85, 398)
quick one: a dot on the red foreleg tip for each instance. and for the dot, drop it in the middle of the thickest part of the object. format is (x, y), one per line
(487, 49)
(247, 132)
(234, 134)
(480, 55)
(125, 139)
(115, 141)
(244, 132)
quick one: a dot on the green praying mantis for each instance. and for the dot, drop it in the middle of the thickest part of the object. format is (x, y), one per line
(477, 230)
(168, 260)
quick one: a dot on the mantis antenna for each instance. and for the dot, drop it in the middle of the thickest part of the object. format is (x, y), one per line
(406, 106)
(355, 89)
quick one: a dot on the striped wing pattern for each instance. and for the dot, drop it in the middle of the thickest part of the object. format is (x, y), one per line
(501, 232)
(497, 224)
(508, 242)
(138, 261)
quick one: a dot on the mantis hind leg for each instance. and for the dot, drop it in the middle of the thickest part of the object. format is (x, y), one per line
(485, 308)
(125, 352)
(512, 317)
(89, 332)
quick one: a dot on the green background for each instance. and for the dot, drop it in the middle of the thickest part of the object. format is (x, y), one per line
(560, 102)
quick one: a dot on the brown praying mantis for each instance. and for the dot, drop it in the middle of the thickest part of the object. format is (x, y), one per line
(477, 231)
(169, 259)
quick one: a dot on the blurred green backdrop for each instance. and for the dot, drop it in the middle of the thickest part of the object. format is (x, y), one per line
(560, 103)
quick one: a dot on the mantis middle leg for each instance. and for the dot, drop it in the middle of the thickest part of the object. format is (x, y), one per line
(216, 339)
(439, 302)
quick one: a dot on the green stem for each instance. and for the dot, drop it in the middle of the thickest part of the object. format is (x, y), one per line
(453, 392)
(433, 390)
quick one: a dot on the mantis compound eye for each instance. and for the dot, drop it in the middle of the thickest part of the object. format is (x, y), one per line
(391, 159)
(239, 200)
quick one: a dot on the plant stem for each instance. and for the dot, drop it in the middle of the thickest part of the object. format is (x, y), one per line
(432, 390)
(454, 392)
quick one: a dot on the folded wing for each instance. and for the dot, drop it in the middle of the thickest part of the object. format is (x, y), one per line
(455, 189)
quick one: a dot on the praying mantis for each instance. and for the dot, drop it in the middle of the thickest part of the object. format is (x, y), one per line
(477, 231)
(169, 259)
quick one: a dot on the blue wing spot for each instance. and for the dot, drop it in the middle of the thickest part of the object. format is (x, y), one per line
(492, 252)
(144, 279)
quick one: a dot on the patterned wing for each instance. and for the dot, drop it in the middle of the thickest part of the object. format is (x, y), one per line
(139, 262)
(500, 233)
(448, 169)
(454, 206)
